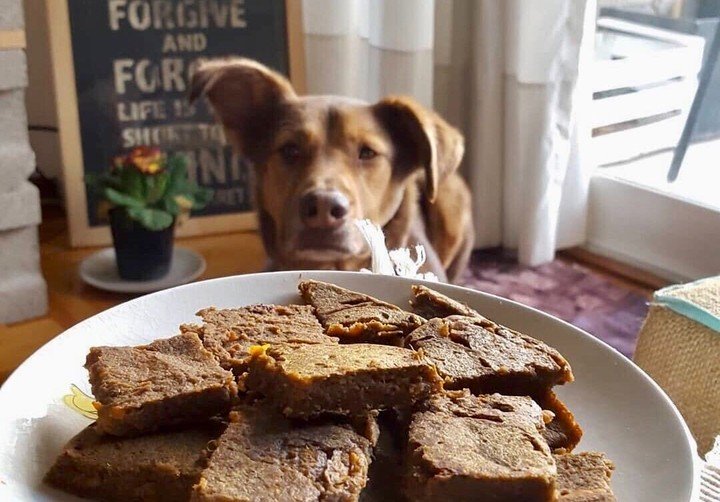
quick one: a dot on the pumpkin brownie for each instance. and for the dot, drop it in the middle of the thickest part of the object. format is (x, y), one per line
(262, 456)
(168, 382)
(562, 433)
(428, 303)
(355, 317)
(157, 467)
(469, 354)
(311, 380)
(584, 477)
(228, 333)
(488, 447)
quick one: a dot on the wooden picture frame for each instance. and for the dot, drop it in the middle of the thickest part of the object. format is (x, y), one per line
(82, 233)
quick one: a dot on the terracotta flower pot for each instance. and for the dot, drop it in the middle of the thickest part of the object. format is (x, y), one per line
(141, 254)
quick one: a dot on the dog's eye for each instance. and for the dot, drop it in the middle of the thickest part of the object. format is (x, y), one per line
(290, 152)
(366, 153)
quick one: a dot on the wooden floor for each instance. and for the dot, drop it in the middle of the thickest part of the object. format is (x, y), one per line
(71, 301)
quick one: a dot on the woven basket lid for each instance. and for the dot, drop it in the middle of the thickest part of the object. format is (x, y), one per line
(699, 301)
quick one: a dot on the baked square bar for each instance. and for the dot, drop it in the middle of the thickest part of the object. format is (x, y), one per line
(168, 382)
(430, 304)
(262, 456)
(470, 354)
(562, 433)
(351, 380)
(584, 477)
(229, 333)
(355, 317)
(157, 467)
(489, 447)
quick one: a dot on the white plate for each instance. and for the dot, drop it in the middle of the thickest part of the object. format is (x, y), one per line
(99, 270)
(623, 412)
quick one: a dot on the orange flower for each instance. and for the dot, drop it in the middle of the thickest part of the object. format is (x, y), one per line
(147, 160)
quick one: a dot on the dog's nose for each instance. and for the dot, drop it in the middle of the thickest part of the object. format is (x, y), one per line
(324, 208)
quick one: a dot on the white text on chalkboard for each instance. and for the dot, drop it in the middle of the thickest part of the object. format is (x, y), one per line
(169, 14)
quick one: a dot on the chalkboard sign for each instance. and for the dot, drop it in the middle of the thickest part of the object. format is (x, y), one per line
(130, 62)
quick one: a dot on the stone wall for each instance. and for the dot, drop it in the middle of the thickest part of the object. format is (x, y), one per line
(23, 293)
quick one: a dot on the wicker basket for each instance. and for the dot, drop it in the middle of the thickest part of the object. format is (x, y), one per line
(679, 347)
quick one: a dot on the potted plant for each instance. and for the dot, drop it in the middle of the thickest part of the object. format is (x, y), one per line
(147, 192)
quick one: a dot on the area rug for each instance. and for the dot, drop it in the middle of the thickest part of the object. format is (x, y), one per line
(564, 289)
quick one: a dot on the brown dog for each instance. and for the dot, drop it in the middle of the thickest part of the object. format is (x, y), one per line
(322, 162)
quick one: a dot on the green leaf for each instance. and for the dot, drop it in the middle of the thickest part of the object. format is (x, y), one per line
(97, 182)
(201, 197)
(156, 187)
(109, 180)
(176, 161)
(177, 180)
(152, 219)
(133, 182)
(179, 184)
(171, 206)
(122, 199)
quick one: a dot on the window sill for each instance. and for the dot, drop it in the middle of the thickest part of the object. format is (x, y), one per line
(671, 230)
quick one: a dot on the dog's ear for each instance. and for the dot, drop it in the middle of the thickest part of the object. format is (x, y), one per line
(421, 138)
(246, 97)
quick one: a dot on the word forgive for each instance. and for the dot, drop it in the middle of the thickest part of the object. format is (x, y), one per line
(171, 14)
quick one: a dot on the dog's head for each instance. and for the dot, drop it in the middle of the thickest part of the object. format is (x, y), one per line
(321, 162)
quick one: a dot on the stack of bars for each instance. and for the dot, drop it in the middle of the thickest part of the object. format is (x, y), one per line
(345, 398)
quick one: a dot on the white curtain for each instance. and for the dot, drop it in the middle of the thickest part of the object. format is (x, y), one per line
(508, 73)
